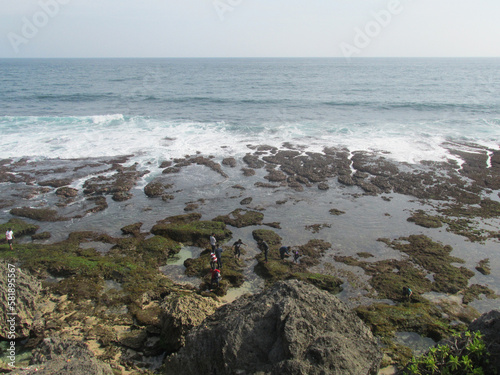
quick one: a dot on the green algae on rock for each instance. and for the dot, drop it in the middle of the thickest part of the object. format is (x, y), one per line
(39, 214)
(276, 269)
(188, 229)
(420, 217)
(240, 218)
(484, 266)
(19, 227)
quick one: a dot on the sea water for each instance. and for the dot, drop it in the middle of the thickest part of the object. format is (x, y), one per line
(160, 108)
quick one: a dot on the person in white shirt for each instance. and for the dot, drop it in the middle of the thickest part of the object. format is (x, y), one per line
(9, 236)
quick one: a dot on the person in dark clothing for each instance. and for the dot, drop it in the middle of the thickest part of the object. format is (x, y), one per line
(407, 293)
(296, 256)
(284, 251)
(237, 248)
(265, 248)
(218, 253)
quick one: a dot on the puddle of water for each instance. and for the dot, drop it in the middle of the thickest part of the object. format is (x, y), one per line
(23, 357)
(174, 269)
(418, 344)
(249, 286)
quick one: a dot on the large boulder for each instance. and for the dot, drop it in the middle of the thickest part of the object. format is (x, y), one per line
(56, 356)
(180, 315)
(290, 328)
(489, 325)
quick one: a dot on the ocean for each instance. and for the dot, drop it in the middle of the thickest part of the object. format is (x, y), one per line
(152, 110)
(75, 108)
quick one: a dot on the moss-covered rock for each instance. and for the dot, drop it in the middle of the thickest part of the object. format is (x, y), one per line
(39, 214)
(269, 236)
(425, 318)
(240, 218)
(157, 249)
(484, 266)
(196, 233)
(41, 236)
(421, 218)
(19, 227)
(435, 258)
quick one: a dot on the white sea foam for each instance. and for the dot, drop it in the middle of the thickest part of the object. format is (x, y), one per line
(152, 140)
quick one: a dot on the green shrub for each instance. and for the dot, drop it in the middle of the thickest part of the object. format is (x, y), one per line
(465, 353)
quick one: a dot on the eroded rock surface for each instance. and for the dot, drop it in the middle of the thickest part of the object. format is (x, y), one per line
(290, 328)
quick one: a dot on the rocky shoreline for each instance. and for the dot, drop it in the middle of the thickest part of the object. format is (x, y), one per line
(135, 319)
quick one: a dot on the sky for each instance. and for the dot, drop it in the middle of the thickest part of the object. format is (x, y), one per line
(249, 28)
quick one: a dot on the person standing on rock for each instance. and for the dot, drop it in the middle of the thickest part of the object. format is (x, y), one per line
(218, 253)
(213, 260)
(265, 248)
(215, 278)
(284, 251)
(9, 236)
(237, 248)
(213, 241)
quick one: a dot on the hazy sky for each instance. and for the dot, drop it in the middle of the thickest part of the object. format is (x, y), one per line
(241, 28)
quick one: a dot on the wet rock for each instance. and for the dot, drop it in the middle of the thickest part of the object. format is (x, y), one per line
(67, 192)
(100, 204)
(231, 162)
(165, 164)
(133, 229)
(56, 183)
(41, 236)
(291, 328)
(240, 218)
(323, 186)
(191, 207)
(156, 189)
(275, 176)
(253, 161)
(247, 172)
(121, 182)
(246, 201)
(336, 212)
(40, 214)
(121, 196)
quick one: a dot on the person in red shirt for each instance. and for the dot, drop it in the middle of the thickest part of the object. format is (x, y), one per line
(215, 278)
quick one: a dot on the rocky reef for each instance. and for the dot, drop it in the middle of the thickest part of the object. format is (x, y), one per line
(97, 301)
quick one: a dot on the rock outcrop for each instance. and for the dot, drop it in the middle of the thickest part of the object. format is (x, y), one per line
(22, 290)
(180, 315)
(489, 325)
(60, 356)
(290, 328)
